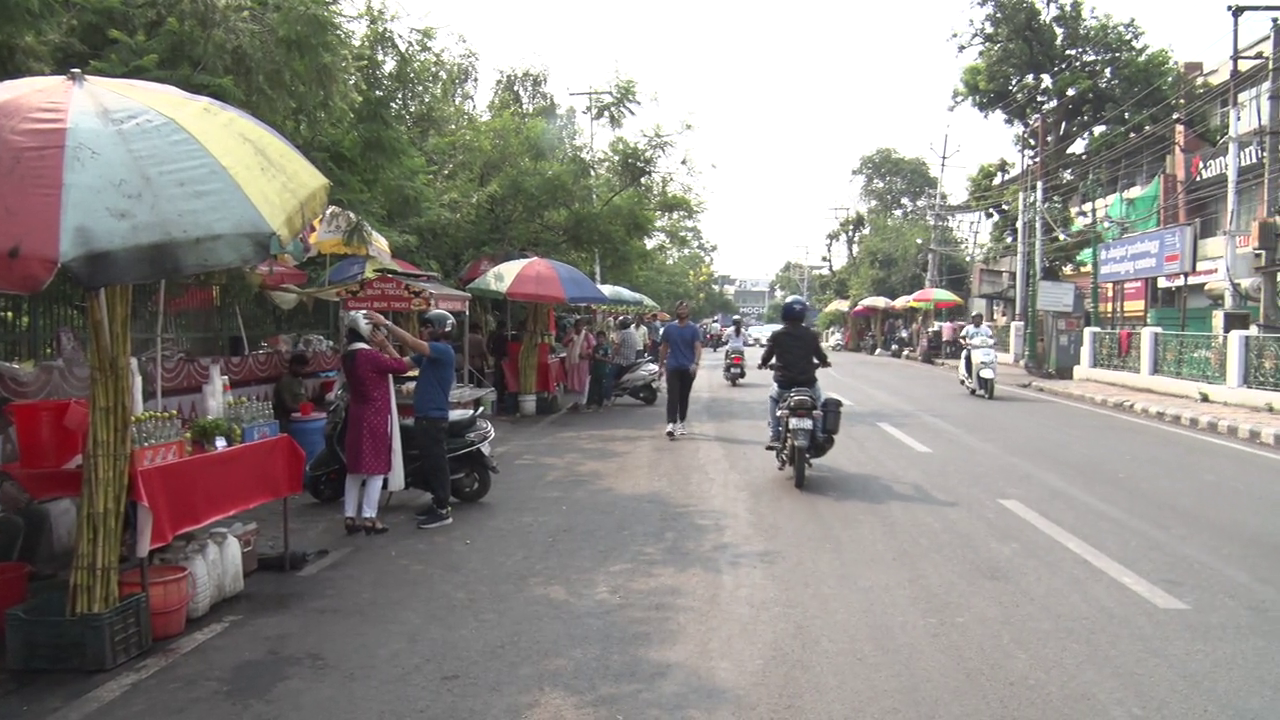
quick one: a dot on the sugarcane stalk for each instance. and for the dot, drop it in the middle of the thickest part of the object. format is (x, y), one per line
(95, 572)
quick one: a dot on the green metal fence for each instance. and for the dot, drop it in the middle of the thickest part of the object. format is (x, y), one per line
(1198, 357)
(1262, 362)
(1110, 352)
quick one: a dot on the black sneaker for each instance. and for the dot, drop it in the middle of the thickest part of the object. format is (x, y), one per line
(435, 517)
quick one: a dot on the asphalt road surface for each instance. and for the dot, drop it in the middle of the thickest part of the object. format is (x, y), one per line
(952, 557)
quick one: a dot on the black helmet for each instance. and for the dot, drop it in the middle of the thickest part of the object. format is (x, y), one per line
(624, 322)
(794, 309)
(438, 322)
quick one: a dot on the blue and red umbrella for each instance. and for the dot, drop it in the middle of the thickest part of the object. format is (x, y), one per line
(358, 267)
(538, 280)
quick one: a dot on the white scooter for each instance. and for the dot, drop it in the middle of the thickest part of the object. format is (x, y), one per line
(640, 381)
(980, 356)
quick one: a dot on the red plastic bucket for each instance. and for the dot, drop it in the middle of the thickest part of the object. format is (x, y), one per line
(51, 433)
(170, 592)
(13, 587)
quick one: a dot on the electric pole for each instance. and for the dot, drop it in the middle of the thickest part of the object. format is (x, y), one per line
(1231, 301)
(1020, 303)
(931, 275)
(1268, 307)
(591, 135)
(1033, 316)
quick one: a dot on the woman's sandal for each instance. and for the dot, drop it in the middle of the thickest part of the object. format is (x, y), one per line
(351, 526)
(373, 527)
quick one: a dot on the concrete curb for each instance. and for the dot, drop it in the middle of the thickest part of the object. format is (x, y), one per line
(1253, 432)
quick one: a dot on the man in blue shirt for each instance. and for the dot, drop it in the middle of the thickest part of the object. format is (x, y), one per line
(680, 354)
(434, 357)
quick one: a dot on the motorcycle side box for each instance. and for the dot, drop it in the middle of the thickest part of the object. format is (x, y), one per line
(831, 410)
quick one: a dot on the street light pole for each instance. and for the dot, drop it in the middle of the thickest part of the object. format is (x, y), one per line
(591, 135)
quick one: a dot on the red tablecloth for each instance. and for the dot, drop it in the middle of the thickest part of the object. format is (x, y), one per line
(192, 492)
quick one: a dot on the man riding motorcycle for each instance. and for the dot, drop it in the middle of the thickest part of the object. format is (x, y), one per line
(795, 347)
(975, 329)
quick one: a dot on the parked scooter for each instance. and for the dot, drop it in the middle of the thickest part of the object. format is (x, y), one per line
(471, 461)
(900, 344)
(980, 357)
(639, 380)
(735, 366)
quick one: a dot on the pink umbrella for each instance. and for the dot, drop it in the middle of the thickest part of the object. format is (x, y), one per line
(861, 311)
(275, 274)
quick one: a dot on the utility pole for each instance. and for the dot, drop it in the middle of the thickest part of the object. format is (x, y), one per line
(1232, 301)
(1020, 301)
(1034, 315)
(1269, 309)
(591, 117)
(931, 276)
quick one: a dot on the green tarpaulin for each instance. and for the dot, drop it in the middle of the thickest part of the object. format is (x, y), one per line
(1139, 213)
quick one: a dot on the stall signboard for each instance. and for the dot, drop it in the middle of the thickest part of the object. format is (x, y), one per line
(384, 294)
(1157, 253)
(149, 455)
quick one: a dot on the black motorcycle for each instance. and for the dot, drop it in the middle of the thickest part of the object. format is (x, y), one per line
(471, 461)
(800, 415)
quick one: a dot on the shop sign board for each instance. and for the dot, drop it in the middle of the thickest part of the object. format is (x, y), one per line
(1156, 253)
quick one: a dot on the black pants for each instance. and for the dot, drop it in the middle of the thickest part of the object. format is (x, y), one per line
(431, 435)
(679, 384)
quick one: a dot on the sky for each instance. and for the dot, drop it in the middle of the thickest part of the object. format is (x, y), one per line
(784, 99)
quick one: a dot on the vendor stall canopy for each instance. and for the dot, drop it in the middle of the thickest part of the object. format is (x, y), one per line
(126, 181)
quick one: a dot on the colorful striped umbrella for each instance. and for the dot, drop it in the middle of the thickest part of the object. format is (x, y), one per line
(538, 280)
(934, 299)
(125, 181)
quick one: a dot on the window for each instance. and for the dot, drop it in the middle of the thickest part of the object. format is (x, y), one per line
(1250, 199)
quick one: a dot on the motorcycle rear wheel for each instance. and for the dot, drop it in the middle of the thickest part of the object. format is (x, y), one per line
(648, 395)
(329, 487)
(798, 466)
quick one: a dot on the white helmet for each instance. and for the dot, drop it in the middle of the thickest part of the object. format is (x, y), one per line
(359, 322)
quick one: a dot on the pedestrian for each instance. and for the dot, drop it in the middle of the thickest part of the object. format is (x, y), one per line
(434, 357)
(601, 372)
(626, 348)
(578, 343)
(371, 446)
(644, 337)
(498, 351)
(680, 354)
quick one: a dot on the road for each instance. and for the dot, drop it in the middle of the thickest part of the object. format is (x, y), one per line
(953, 557)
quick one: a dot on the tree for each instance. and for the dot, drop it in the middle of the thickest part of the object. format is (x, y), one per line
(1091, 79)
(895, 185)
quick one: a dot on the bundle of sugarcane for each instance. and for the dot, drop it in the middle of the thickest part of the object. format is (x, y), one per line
(535, 327)
(95, 574)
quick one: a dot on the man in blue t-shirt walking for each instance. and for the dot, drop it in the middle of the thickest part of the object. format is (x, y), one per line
(680, 354)
(435, 359)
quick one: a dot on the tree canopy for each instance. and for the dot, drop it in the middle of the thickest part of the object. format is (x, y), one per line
(391, 114)
(887, 241)
(1093, 80)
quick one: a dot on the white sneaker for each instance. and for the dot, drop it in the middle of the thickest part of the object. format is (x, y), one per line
(671, 430)
(680, 429)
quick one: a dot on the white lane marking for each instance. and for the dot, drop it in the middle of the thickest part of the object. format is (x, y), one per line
(116, 687)
(1121, 415)
(1094, 557)
(324, 562)
(905, 438)
(839, 397)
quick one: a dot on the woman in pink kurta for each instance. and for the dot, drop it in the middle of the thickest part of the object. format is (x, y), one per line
(577, 362)
(366, 370)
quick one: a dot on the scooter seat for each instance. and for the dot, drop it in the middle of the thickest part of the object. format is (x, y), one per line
(460, 421)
